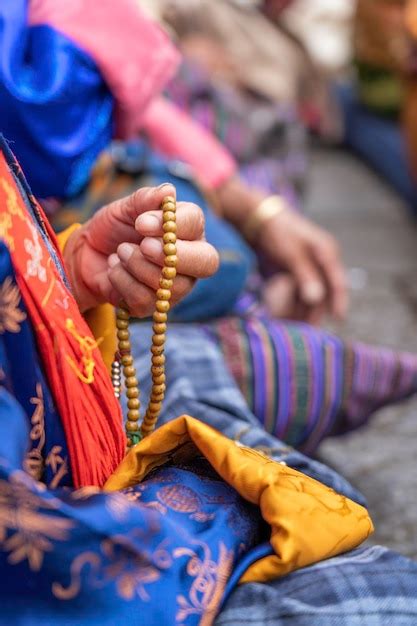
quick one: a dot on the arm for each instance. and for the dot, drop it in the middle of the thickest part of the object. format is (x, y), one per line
(174, 134)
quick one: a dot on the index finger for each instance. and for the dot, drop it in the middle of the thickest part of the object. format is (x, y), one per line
(189, 218)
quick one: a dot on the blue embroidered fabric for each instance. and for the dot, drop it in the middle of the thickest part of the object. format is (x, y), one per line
(159, 553)
(42, 75)
(163, 549)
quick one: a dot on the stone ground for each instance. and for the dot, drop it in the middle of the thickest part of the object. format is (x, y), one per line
(379, 243)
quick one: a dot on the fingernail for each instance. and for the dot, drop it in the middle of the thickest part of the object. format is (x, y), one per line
(112, 260)
(313, 293)
(162, 185)
(148, 223)
(125, 251)
(151, 247)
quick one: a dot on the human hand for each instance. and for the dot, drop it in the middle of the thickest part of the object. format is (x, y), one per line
(316, 284)
(117, 255)
(292, 243)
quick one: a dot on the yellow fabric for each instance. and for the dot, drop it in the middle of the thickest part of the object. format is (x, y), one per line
(309, 522)
(101, 319)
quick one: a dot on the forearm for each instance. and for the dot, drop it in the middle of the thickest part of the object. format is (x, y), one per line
(176, 135)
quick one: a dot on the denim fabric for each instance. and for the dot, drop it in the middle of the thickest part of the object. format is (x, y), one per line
(367, 587)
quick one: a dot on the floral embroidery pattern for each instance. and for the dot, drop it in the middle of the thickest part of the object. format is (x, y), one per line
(11, 199)
(34, 463)
(58, 465)
(85, 372)
(120, 563)
(27, 529)
(182, 499)
(5, 226)
(210, 580)
(34, 265)
(10, 315)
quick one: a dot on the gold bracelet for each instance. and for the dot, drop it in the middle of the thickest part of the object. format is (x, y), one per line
(266, 210)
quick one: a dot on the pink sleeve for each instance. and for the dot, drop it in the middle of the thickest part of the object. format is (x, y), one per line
(174, 134)
(133, 54)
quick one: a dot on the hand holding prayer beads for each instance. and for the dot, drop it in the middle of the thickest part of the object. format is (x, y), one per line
(124, 359)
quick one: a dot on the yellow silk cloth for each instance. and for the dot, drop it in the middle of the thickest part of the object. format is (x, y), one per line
(309, 522)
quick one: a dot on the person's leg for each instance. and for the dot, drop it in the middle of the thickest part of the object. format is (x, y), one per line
(367, 587)
(199, 384)
(304, 384)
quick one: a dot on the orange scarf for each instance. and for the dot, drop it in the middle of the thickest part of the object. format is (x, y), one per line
(90, 414)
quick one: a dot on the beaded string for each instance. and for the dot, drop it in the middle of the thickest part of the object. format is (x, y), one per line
(124, 360)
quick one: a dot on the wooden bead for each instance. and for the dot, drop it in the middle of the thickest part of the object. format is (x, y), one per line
(168, 216)
(131, 381)
(122, 314)
(157, 380)
(157, 350)
(124, 345)
(169, 206)
(159, 328)
(158, 359)
(168, 199)
(158, 388)
(169, 238)
(162, 294)
(169, 227)
(157, 370)
(171, 260)
(157, 397)
(170, 249)
(133, 403)
(154, 407)
(132, 426)
(165, 283)
(158, 340)
(127, 359)
(160, 317)
(129, 371)
(169, 272)
(132, 393)
(133, 415)
(123, 324)
(123, 334)
(162, 306)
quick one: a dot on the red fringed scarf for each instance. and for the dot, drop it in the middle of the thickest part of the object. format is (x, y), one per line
(76, 373)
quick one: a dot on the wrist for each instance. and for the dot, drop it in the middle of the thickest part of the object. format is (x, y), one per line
(268, 209)
(73, 253)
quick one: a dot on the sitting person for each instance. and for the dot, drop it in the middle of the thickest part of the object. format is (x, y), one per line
(302, 384)
(188, 513)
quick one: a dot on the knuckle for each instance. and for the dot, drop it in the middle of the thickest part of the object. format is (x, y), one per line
(140, 301)
(196, 219)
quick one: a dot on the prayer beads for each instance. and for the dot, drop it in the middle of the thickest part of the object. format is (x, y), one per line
(124, 361)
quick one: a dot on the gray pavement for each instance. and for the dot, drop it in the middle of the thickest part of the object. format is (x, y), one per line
(379, 244)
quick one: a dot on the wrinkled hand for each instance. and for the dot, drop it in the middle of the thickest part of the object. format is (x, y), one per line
(311, 256)
(117, 255)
